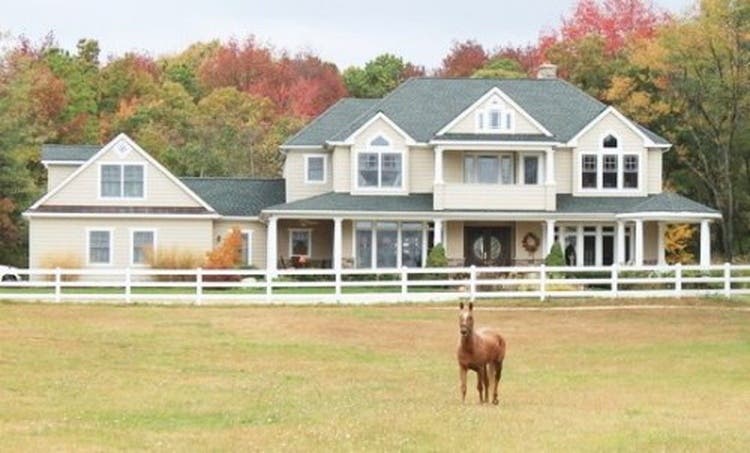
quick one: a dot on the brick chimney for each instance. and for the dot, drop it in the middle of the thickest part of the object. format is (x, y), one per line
(547, 71)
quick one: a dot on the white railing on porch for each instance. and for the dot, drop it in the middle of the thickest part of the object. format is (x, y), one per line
(369, 286)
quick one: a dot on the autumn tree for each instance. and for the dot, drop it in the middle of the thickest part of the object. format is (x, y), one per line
(464, 59)
(226, 255)
(379, 76)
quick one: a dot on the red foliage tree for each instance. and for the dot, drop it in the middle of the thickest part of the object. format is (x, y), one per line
(463, 59)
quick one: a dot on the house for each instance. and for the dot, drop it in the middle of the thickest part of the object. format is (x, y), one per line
(495, 170)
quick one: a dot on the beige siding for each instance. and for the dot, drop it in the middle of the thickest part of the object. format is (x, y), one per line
(258, 244)
(321, 239)
(522, 256)
(468, 124)
(654, 169)
(564, 170)
(493, 196)
(650, 242)
(629, 141)
(58, 173)
(159, 190)
(453, 167)
(54, 237)
(421, 168)
(342, 169)
(347, 243)
(294, 170)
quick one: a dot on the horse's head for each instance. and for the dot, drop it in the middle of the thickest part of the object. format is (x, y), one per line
(466, 319)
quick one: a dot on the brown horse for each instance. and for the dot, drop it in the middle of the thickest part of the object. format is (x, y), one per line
(481, 350)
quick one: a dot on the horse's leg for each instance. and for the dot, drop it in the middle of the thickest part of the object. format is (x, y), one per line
(481, 379)
(492, 371)
(498, 375)
(486, 385)
(462, 372)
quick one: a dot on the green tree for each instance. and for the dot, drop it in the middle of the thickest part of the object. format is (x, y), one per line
(501, 68)
(379, 76)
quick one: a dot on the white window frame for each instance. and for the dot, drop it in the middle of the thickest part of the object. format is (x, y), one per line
(309, 241)
(540, 168)
(620, 153)
(249, 233)
(506, 115)
(399, 248)
(307, 158)
(561, 234)
(132, 244)
(111, 232)
(499, 156)
(380, 150)
(122, 166)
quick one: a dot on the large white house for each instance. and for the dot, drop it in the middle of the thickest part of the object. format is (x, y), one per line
(495, 170)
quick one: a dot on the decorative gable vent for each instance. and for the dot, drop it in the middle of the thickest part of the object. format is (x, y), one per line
(123, 148)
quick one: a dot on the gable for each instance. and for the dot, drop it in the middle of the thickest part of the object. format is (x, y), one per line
(161, 188)
(611, 123)
(520, 120)
(379, 130)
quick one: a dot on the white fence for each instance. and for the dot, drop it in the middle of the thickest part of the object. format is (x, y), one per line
(201, 286)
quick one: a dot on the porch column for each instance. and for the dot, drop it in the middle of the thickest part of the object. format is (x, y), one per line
(662, 255)
(639, 242)
(337, 243)
(438, 233)
(438, 165)
(579, 245)
(549, 236)
(705, 243)
(271, 242)
(620, 242)
(549, 163)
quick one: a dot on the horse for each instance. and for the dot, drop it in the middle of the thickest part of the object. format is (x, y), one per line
(481, 350)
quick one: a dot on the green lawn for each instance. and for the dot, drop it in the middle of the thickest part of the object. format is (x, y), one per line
(370, 378)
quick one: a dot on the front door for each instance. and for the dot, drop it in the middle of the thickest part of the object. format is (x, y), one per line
(487, 246)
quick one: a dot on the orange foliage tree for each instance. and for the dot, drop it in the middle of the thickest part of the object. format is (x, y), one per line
(226, 255)
(677, 239)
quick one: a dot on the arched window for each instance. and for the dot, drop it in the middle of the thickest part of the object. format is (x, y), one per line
(610, 141)
(379, 141)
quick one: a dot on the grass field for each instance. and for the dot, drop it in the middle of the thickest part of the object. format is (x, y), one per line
(370, 378)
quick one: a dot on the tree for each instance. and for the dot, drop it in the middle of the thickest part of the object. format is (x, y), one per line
(501, 68)
(227, 254)
(464, 59)
(436, 257)
(379, 77)
(555, 256)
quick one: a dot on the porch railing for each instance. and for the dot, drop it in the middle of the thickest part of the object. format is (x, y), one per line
(361, 286)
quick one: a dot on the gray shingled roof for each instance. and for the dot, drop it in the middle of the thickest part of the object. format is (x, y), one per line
(566, 203)
(335, 201)
(68, 152)
(497, 137)
(238, 196)
(423, 106)
(331, 121)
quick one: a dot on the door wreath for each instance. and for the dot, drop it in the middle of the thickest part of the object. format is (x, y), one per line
(530, 243)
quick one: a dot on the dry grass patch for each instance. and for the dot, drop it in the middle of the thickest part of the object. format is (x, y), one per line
(368, 378)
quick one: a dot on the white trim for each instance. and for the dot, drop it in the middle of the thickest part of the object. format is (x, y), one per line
(122, 166)
(238, 218)
(379, 116)
(512, 145)
(402, 189)
(68, 163)
(494, 91)
(665, 215)
(309, 156)
(101, 215)
(249, 233)
(111, 232)
(154, 246)
(573, 142)
(106, 148)
(309, 241)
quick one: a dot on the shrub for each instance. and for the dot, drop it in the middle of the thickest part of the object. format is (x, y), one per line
(226, 255)
(174, 258)
(555, 257)
(63, 260)
(436, 257)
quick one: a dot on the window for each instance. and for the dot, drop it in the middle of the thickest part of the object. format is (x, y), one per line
(608, 246)
(496, 118)
(589, 246)
(630, 171)
(588, 171)
(121, 181)
(531, 169)
(488, 169)
(299, 242)
(380, 167)
(246, 247)
(609, 171)
(315, 169)
(389, 244)
(100, 247)
(610, 141)
(143, 242)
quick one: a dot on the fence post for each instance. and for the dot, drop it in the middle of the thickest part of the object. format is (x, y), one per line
(198, 285)
(543, 282)
(404, 281)
(127, 285)
(727, 280)
(473, 283)
(614, 285)
(338, 289)
(58, 290)
(678, 279)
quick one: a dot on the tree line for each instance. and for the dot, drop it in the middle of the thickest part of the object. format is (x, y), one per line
(222, 108)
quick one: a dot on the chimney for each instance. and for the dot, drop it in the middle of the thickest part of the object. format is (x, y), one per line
(547, 71)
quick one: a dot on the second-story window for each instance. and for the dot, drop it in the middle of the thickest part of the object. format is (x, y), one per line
(380, 167)
(630, 171)
(531, 169)
(588, 171)
(609, 171)
(490, 169)
(121, 181)
(315, 169)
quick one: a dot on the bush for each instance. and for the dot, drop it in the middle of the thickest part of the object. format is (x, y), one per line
(436, 257)
(555, 257)
(174, 258)
(65, 260)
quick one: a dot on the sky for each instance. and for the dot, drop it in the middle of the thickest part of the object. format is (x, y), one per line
(344, 32)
